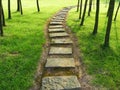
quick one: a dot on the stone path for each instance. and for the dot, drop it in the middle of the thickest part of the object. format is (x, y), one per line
(60, 57)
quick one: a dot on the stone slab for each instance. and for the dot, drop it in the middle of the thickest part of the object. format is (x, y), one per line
(61, 41)
(56, 23)
(60, 50)
(59, 18)
(60, 63)
(60, 83)
(56, 26)
(57, 30)
(58, 34)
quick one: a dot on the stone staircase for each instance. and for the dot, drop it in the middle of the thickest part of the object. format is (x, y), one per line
(60, 64)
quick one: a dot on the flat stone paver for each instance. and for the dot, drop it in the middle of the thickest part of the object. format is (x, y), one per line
(56, 23)
(61, 41)
(60, 50)
(60, 63)
(56, 26)
(57, 20)
(58, 34)
(60, 83)
(57, 30)
(60, 18)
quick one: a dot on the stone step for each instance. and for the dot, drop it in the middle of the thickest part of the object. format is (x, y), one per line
(60, 83)
(56, 26)
(57, 30)
(58, 34)
(56, 23)
(62, 41)
(59, 18)
(60, 51)
(60, 63)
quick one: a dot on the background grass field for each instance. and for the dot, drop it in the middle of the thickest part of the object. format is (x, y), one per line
(21, 46)
(102, 64)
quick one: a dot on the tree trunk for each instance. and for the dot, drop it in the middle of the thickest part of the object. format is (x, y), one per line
(1, 26)
(90, 7)
(109, 24)
(85, 7)
(96, 17)
(18, 5)
(117, 12)
(3, 17)
(21, 7)
(38, 8)
(108, 10)
(9, 10)
(80, 9)
(78, 5)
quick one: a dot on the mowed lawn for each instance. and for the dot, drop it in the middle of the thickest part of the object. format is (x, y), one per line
(21, 46)
(102, 64)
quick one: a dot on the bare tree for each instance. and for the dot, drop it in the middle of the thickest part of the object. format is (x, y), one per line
(109, 24)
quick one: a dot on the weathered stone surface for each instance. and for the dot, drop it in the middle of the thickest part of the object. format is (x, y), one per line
(60, 83)
(60, 62)
(58, 34)
(59, 18)
(57, 30)
(56, 26)
(60, 50)
(56, 23)
(61, 41)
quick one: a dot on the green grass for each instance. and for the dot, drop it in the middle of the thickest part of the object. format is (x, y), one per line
(21, 46)
(102, 64)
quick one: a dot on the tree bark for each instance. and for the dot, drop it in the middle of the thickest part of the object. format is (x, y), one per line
(80, 9)
(117, 12)
(9, 10)
(18, 5)
(108, 10)
(96, 17)
(90, 7)
(3, 17)
(85, 7)
(1, 26)
(109, 24)
(78, 5)
(21, 10)
(38, 8)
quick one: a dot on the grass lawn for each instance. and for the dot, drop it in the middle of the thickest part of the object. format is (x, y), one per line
(21, 46)
(102, 64)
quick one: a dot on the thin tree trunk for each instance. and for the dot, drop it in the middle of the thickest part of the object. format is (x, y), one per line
(85, 7)
(38, 8)
(78, 5)
(90, 7)
(3, 17)
(117, 12)
(108, 10)
(80, 9)
(109, 24)
(18, 5)
(1, 26)
(21, 10)
(97, 17)
(9, 10)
